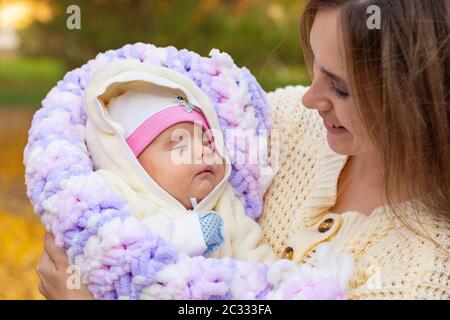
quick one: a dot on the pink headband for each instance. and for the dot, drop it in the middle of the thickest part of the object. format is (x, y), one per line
(159, 122)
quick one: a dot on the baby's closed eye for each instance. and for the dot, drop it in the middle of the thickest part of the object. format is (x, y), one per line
(174, 143)
(179, 145)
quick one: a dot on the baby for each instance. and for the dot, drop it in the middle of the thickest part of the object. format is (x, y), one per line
(154, 136)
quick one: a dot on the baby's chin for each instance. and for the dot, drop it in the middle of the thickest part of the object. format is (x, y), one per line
(202, 189)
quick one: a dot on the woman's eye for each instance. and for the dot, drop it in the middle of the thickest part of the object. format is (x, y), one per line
(338, 92)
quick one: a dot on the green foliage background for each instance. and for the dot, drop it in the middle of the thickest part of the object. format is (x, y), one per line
(261, 35)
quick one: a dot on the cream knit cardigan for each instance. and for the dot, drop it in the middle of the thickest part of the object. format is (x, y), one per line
(391, 262)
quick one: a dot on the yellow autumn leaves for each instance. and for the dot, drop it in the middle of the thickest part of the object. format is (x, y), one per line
(21, 234)
(21, 248)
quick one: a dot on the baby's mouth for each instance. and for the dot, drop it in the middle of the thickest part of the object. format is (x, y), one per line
(206, 170)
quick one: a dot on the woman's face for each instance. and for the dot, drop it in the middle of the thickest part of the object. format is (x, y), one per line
(329, 93)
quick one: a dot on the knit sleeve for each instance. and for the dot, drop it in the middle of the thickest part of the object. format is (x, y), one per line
(405, 265)
(434, 279)
(294, 144)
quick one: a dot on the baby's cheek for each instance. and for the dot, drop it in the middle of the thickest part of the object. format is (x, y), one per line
(147, 165)
(218, 159)
(221, 171)
(184, 172)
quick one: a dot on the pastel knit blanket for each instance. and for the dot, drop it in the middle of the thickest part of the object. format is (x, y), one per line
(94, 225)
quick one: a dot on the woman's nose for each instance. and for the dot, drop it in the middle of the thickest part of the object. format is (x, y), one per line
(315, 98)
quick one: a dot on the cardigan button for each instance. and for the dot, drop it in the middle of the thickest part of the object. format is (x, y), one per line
(288, 253)
(326, 225)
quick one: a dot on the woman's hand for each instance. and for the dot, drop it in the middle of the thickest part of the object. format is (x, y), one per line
(52, 270)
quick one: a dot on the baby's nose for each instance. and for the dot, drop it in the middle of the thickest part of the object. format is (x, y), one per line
(206, 153)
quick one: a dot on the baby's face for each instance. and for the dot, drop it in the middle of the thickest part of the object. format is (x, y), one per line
(183, 162)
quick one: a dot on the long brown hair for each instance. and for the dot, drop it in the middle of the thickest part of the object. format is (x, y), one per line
(400, 80)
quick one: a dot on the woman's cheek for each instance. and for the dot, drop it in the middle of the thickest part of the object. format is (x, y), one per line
(356, 127)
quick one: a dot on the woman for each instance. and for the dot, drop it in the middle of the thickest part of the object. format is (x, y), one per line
(366, 164)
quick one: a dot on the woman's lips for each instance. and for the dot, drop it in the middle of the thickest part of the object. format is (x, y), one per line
(333, 129)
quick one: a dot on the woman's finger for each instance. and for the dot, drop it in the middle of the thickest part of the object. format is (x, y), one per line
(55, 253)
(42, 290)
(45, 266)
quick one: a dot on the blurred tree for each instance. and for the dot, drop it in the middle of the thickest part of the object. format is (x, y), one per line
(259, 34)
